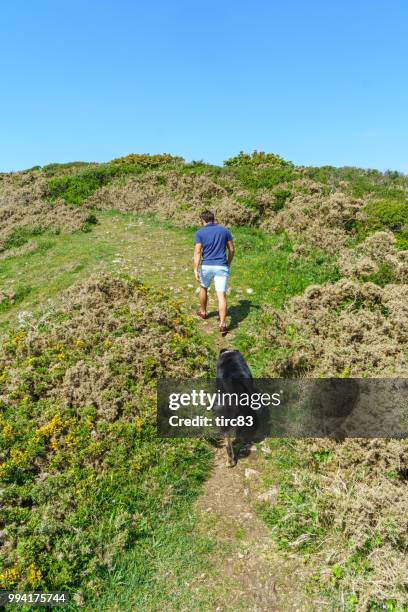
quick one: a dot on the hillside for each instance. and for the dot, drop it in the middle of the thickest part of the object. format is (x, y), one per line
(96, 298)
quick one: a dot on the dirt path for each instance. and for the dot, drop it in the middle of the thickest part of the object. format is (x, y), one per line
(260, 577)
(251, 573)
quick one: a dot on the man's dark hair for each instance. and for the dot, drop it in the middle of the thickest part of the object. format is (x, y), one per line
(207, 216)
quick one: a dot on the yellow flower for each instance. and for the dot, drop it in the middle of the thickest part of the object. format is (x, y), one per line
(50, 428)
(17, 339)
(139, 422)
(8, 577)
(34, 575)
(7, 430)
(61, 356)
(16, 455)
(70, 440)
(80, 343)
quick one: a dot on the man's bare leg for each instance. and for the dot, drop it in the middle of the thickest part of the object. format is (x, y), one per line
(203, 300)
(222, 306)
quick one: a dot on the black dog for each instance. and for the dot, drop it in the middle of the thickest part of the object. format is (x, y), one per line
(234, 381)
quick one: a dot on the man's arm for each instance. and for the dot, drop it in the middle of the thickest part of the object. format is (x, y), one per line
(197, 259)
(231, 251)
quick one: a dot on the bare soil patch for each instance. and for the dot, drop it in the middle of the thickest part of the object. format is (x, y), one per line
(261, 577)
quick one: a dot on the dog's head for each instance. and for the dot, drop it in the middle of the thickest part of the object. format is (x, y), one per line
(231, 364)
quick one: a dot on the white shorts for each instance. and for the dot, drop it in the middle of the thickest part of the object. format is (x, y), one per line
(220, 275)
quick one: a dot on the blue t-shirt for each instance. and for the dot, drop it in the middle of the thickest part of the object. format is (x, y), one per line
(214, 239)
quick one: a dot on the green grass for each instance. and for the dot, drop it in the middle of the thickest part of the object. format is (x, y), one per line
(263, 264)
(162, 256)
(167, 572)
(21, 236)
(21, 292)
(296, 511)
(174, 552)
(301, 509)
(69, 258)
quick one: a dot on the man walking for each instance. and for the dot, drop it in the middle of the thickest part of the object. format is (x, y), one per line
(214, 249)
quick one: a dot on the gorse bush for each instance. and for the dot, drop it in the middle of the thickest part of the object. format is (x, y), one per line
(359, 182)
(51, 169)
(281, 196)
(257, 158)
(83, 473)
(344, 505)
(263, 177)
(361, 329)
(376, 259)
(76, 188)
(146, 160)
(386, 215)
(25, 212)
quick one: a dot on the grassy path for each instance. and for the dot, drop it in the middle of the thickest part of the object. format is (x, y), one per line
(161, 256)
(220, 556)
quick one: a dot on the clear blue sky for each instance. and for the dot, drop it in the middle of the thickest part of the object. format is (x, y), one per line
(318, 81)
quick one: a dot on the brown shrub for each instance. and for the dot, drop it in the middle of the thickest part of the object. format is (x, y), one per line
(315, 219)
(368, 257)
(7, 294)
(343, 329)
(93, 313)
(361, 495)
(23, 207)
(176, 197)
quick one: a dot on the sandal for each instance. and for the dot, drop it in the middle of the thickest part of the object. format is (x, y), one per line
(202, 315)
(223, 330)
